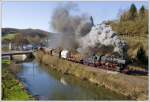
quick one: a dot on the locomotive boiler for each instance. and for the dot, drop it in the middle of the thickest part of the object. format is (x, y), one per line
(106, 62)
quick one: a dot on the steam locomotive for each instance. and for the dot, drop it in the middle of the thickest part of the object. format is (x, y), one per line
(99, 61)
(106, 62)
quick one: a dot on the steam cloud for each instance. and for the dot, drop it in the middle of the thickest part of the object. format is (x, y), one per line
(78, 32)
(70, 26)
(105, 39)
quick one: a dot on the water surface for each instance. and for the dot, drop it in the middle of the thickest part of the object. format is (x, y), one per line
(48, 84)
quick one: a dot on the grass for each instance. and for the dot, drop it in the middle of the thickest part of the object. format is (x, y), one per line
(6, 62)
(131, 86)
(9, 37)
(12, 89)
(6, 49)
(134, 43)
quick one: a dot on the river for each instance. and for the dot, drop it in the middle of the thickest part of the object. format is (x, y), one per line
(47, 84)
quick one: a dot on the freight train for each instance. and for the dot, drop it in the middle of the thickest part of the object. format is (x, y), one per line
(112, 63)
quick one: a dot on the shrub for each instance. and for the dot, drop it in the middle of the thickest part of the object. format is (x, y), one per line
(141, 56)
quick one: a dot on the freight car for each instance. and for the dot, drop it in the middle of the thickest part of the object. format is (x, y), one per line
(99, 61)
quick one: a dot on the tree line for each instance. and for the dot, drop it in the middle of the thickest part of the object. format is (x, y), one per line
(132, 22)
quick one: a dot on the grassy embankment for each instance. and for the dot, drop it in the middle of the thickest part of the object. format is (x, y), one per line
(134, 42)
(12, 89)
(131, 86)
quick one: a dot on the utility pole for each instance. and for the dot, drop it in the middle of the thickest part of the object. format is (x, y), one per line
(47, 41)
(48, 37)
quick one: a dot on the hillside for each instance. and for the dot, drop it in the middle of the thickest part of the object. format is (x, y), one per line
(132, 26)
(26, 32)
(25, 36)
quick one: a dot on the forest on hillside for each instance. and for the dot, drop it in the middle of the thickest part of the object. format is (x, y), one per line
(132, 22)
(132, 25)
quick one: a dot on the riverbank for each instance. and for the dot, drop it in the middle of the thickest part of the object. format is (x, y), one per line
(12, 88)
(134, 87)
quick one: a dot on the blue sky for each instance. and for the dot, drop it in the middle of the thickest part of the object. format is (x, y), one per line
(37, 15)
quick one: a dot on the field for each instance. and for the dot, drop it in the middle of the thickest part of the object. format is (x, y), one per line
(9, 37)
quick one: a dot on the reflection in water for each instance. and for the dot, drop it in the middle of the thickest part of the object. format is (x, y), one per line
(48, 84)
(62, 80)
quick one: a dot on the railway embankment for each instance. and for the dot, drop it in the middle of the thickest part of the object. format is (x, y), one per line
(134, 87)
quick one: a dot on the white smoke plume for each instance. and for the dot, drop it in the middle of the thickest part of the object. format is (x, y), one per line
(102, 36)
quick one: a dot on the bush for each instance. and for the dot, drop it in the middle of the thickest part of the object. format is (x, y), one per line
(141, 56)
